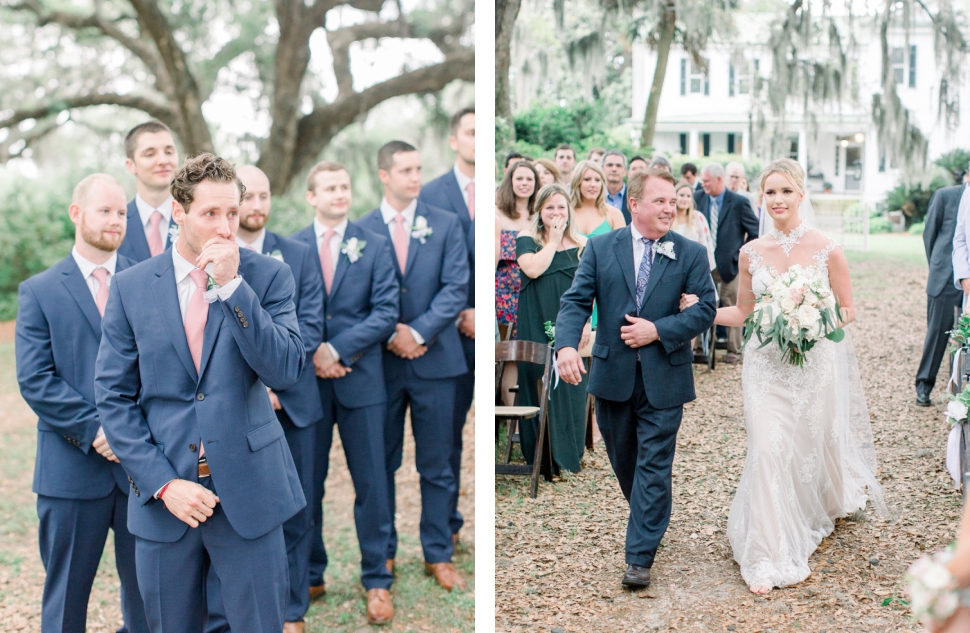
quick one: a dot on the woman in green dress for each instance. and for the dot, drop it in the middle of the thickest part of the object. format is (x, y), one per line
(548, 256)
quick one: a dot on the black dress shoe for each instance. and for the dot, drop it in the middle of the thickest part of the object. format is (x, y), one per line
(636, 577)
(923, 401)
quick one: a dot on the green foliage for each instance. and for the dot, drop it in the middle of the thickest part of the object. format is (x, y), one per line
(912, 199)
(917, 228)
(954, 162)
(880, 224)
(960, 335)
(551, 125)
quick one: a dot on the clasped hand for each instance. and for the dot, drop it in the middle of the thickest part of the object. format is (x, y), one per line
(223, 254)
(640, 332)
(100, 444)
(326, 366)
(189, 502)
(404, 345)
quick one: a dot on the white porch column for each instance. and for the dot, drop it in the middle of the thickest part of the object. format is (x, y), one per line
(692, 144)
(745, 144)
(803, 150)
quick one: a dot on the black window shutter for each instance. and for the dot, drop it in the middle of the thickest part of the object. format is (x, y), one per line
(730, 80)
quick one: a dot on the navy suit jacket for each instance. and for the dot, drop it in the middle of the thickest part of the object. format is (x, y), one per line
(156, 408)
(433, 291)
(443, 192)
(941, 224)
(736, 226)
(58, 333)
(607, 275)
(135, 246)
(300, 401)
(360, 314)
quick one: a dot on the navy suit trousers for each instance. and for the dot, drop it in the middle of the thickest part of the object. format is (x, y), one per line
(253, 572)
(72, 536)
(640, 441)
(432, 404)
(464, 393)
(939, 321)
(362, 436)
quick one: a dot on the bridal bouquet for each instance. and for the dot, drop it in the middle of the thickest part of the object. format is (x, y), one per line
(932, 589)
(796, 311)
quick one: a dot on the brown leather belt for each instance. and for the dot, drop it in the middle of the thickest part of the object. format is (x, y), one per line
(203, 467)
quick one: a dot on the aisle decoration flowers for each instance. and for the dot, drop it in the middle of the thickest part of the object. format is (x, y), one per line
(796, 311)
(932, 589)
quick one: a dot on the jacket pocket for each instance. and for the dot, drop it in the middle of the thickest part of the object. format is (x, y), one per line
(265, 435)
(681, 356)
(601, 351)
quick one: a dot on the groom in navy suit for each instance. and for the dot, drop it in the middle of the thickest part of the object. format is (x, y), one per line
(361, 307)
(152, 159)
(642, 376)
(424, 356)
(81, 489)
(190, 342)
(455, 192)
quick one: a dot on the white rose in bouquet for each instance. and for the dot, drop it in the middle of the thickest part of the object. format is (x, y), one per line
(788, 305)
(808, 316)
(829, 301)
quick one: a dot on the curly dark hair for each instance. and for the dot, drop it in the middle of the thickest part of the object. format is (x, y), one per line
(198, 169)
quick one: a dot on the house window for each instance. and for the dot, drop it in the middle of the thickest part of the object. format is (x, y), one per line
(838, 154)
(683, 144)
(698, 80)
(739, 79)
(730, 139)
(899, 64)
(730, 80)
(683, 76)
(912, 66)
(706, 140)
(793, 148)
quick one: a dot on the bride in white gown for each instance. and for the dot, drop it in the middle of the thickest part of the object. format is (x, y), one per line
(810, 454)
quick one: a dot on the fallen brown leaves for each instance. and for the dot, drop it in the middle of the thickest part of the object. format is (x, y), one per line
(559, 558)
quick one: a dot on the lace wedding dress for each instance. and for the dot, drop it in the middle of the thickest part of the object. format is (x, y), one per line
(810, 455)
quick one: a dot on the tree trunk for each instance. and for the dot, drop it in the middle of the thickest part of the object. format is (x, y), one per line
(506, 11)
(667, 21)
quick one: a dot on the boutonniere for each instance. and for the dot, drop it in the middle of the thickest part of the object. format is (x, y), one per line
(352, 248)
(173, 233)
(277, 255)
(211, 294)
(421, 230)
(666, 249)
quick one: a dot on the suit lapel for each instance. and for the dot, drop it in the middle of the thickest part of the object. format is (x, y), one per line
(623, 247)
(415, 243)
(78, 287)
(343, 262)
(136, 233)
(213, 325)
(656, 271)
(168, 232)
(167, 302)
(269, 243)
(458, 200)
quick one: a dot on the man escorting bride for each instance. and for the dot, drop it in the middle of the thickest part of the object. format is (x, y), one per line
(810, 456)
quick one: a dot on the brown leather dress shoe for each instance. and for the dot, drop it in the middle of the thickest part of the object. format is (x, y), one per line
(293, 627)
(390, 565)
(318, 590)
(446, 575)
(380, 610)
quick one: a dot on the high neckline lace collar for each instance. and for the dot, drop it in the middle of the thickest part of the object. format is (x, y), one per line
(788, 241)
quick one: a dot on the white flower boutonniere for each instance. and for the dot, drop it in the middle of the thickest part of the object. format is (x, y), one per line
(277, 255)
(353, 248)
(666, 249)
(173, 233)
(421, 230)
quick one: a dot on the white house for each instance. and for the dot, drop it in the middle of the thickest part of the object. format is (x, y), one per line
(706, 113)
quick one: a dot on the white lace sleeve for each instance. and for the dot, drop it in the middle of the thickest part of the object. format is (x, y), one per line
(822, 257)
(754, 257)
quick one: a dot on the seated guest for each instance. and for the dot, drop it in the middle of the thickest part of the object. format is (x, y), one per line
(549, 255)
(513, 213)
(547, 171)
(190, 341)
(81, 488)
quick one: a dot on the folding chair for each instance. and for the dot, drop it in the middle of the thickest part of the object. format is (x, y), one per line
(539, 354)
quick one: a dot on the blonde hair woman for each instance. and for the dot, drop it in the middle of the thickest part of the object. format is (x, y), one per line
(548, 257)
(548, 172)
(690, 222)
(588, 197)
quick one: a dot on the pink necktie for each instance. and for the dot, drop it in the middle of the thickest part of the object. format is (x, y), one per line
(326, 259)
(101, 298)
(196, 315)
(401, 241)
(154, 238)
(250, 247)
(471, 199)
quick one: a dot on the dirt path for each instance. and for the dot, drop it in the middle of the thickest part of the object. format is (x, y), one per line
(559, 558)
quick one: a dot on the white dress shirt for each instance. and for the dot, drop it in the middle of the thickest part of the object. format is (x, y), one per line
(145, 211)
(257, 244)
(638, 248)
(339, 231)
(87, 267)
(186, 287)
(463, 182)
(388, 213)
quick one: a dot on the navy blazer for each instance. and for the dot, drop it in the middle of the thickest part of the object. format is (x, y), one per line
(361, 312)
(58, 333)
(443, 192)
(941, 223)
(300, 401)
(157, 409)
(736, 226)
(135, 246)
(432, 293)
(607, 275)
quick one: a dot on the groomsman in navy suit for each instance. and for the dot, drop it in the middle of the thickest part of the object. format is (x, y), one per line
(190, 342)
(152, 160)
(298, 407)
(361, 307)
(81, 489)
(455, 192)
(424, 356)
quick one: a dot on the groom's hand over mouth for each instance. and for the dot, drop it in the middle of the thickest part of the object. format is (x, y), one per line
(640, 332)
(570, 365)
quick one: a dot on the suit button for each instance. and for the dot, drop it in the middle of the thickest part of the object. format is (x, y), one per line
(237, 309)
(193, 447)
(200, 397)
(404, 291)
(329, 316)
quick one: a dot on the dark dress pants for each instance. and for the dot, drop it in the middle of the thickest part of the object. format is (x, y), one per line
(72, 536)
(939, 321)
(362, 436)
(254, 578)
(297, 533)
(640, 441)
(464, 393)
(432, 404)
